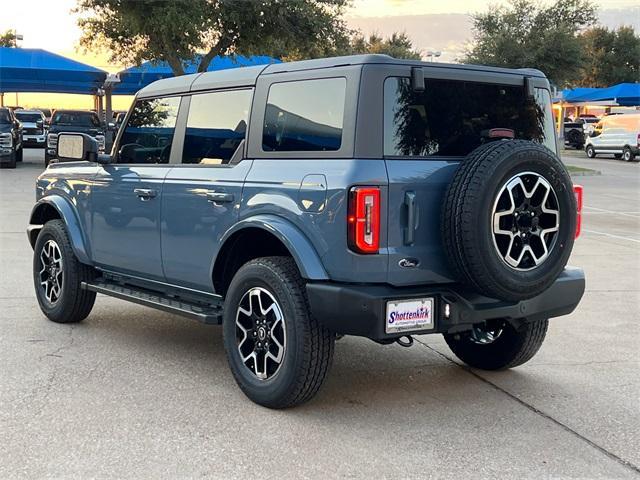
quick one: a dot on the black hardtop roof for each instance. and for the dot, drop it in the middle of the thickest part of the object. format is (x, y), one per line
(247, 76)
(386, 60)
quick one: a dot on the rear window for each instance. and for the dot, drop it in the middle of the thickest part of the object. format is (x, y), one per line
(28, 117)
(452, 118)
(83, 119)
(304, 116)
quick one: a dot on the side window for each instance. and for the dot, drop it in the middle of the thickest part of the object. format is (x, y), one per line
(304, 116)
(216, 125)
(148, 134)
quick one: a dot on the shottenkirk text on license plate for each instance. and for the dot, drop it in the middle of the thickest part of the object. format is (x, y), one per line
(408, 315)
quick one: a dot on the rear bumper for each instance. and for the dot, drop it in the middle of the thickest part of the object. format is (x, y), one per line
(360, 309)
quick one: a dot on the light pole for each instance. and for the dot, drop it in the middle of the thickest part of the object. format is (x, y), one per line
(433, 53)
(17, 37)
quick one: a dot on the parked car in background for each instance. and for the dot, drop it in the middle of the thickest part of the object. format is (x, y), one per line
(617, 135)
(34, 129)
(293, 203)
(10, 139)
(575, 132)
(80, 121)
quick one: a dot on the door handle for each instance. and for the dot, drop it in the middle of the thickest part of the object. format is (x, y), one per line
(145, 194)
(410, 229)
(219, 197)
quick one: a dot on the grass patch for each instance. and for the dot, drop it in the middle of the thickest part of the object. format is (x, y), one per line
(577, 171)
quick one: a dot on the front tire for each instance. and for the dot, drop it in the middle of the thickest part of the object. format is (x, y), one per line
(498, 345)
(278, 353)
(591, 153)
(58, 275)
(20, 154)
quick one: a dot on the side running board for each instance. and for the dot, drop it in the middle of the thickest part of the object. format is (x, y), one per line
(209, 313)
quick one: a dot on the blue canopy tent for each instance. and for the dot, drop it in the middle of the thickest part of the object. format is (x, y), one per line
(35, 70)
(134, 78)
(623, 94)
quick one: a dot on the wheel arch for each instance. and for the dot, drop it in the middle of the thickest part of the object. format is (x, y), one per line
(56, 207)
(264, 235)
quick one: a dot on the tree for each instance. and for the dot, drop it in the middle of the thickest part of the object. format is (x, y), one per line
(8, 39)
(179, 30)
(398, 45)
(611, 56)
(526, 34)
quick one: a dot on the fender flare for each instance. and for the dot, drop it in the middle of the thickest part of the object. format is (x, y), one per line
(301, 249)
(69, 217)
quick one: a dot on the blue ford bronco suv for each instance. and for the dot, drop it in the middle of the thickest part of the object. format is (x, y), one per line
(298, 202)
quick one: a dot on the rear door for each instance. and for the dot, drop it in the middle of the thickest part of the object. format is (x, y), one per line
(426, 134)
(126, 195)
(202, 193)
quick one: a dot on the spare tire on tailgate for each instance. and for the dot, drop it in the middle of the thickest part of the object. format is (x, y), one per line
(509, 219)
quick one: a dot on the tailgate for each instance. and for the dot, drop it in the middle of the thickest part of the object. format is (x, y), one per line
(416, 193)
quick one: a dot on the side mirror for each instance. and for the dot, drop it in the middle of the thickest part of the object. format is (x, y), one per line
(76, 147)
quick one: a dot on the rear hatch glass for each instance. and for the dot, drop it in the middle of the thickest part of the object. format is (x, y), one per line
(451, 118)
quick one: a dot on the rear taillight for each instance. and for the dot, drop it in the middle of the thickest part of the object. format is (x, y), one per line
(364, 219)
(577, 189)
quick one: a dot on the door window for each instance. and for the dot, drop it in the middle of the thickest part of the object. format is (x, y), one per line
(148, 136)
(216, 125)
(305, 116)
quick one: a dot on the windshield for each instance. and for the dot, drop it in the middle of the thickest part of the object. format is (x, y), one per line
(452, 118)
(28, 117)
(5, 116)
(82, 119)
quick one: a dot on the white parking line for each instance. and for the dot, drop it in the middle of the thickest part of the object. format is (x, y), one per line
(614, 212)
(635, 240)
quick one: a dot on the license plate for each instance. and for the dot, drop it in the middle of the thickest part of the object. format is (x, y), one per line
(407, 315)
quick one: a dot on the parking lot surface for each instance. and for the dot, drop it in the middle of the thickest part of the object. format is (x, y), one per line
(136, 393)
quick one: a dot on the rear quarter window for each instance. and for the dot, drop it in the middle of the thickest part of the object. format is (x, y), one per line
(306, 115)
(452, 118)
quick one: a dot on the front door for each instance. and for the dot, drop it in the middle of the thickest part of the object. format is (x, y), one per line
(127, 194)
(202, 194)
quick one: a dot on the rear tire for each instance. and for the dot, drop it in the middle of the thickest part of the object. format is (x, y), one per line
(511, 348)
(58, 275)
(267, 312)
(591, 153)
(628, 155)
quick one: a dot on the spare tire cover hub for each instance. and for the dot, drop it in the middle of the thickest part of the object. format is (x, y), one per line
(525, 221)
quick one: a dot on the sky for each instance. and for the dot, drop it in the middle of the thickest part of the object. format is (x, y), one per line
(431, 24)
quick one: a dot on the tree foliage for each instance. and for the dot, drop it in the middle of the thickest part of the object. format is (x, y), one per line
(8, 39)
(610, 56)
(525, 33)
(175, 30)
(398, 45)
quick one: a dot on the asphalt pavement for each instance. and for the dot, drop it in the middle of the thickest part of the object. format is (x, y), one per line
(136, 393)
